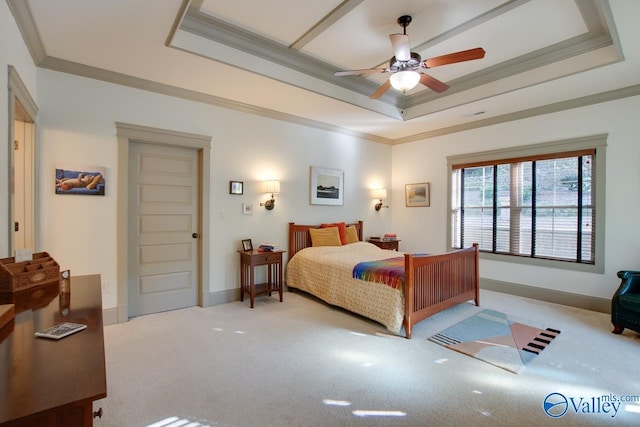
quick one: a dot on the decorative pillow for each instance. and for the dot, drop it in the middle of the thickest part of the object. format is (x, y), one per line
(325, 236)
(352, 234)
(342, 230)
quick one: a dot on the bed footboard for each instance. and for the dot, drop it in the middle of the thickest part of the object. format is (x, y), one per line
(436, 282)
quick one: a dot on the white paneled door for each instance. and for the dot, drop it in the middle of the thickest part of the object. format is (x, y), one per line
(163, 228)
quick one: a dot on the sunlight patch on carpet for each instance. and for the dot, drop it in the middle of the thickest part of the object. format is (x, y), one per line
(333, 402)
(180, 422)
(372, 413)
(495, 338)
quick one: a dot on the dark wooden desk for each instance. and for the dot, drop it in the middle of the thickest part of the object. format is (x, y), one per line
(52, 382)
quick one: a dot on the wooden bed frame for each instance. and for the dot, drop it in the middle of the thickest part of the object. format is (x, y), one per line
(432, 283)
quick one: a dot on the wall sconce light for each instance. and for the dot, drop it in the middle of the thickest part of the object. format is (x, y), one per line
(380, 194)
(272, 187)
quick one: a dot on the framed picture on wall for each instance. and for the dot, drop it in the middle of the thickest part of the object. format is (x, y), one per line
(236, 187)
(80, 179)
(326, 186)
(417, 195)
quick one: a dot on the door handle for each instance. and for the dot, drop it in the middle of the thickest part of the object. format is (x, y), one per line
(195, 235)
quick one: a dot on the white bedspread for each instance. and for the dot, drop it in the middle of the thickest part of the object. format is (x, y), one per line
(326, 272)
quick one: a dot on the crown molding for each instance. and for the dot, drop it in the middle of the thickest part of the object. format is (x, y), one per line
(570, 104)
(176, 23)
(69, 67)
(331, 18)
(557, 52)
(27, 26)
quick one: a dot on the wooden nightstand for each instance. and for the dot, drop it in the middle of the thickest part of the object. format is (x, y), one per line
(251, 259)
(391, 245)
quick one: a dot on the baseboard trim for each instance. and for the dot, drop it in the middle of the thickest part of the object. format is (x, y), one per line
(110, 316)
(223, 297)
(586, 302)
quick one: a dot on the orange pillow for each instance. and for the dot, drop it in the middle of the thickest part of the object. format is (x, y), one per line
(342, 230)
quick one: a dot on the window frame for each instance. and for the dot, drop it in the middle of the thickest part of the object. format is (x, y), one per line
(595, 142)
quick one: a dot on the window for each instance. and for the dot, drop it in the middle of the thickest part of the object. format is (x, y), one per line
(530, 203)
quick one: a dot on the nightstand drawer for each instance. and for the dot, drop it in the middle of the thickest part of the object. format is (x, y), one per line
(267, 258)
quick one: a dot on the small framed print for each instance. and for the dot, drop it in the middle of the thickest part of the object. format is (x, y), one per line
(417, 195)
(247, 208)
(246, 245)
(236, 187)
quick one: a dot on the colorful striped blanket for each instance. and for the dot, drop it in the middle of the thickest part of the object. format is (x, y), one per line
(389, 272)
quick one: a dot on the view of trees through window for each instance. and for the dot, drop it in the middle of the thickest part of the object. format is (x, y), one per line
(541, 208)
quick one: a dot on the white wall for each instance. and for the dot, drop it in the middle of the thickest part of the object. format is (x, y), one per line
(425, 228)
(12, 52)
(77, 125)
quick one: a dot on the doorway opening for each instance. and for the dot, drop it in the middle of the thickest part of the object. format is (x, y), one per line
(22, 166)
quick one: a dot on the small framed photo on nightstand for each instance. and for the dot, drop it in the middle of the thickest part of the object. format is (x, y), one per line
(246, 245)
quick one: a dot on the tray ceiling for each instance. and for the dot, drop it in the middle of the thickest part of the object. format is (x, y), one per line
(278, 58)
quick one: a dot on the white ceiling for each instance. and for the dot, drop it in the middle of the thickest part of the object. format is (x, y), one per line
(277, 58)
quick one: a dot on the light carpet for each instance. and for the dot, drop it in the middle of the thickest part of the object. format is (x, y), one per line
(304, 363)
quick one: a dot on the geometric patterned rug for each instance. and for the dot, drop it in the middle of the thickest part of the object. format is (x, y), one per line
(492, 337)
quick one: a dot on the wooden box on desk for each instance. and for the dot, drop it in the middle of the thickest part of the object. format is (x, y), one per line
(18, 276)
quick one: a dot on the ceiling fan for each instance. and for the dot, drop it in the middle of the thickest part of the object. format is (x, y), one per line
(405, 64)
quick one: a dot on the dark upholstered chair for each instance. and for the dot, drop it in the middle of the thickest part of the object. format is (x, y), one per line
(625, 304)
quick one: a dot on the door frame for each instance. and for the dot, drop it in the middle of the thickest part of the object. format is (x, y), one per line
(129, 133)
(17, 90)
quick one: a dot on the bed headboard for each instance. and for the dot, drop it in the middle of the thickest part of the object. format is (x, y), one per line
(299, 237)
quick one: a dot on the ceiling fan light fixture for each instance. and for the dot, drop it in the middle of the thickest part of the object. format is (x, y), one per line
(404, 80)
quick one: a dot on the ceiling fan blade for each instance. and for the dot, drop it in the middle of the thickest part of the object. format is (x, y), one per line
(400, 43)
(433, 83)
(358, 72)
(465, 55)
(382, 89)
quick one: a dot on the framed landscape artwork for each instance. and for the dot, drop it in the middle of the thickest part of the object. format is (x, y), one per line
(326, 186)
(417, 195)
